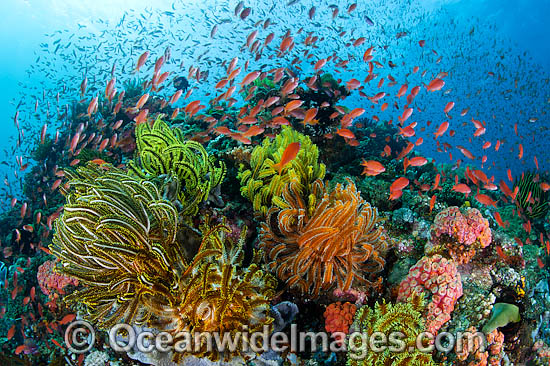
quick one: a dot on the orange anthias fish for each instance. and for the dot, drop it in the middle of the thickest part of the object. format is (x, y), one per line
(499, 220)
(432, 202)
(344, 132)
(462, 188)
(435, 84)
(399, 184)
(98, 161)
(372, 167)
(485, 200)
(288, 155)
(141, 60)
(441, 130)
(290, 106)
(418, 161)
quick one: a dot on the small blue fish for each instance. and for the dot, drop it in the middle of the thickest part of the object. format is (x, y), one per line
(369, 21)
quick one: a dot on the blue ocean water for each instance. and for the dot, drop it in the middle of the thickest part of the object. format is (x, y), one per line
(506, 38)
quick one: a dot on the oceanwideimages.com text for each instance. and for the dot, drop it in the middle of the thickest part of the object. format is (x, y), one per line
(124, 338)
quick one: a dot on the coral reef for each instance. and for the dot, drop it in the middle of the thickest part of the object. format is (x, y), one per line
(243, 208)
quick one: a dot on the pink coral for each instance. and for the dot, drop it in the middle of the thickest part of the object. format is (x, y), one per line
(461, 233)
(51, 281)
(439, 277)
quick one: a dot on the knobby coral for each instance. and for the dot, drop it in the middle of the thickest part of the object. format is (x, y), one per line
(261, 183)
(405, 318)
(338, 244)
(440, 277)
(460, 233)
(118, 237)
(338, 317)
(480, 351)
(50, 281)
(164, 151)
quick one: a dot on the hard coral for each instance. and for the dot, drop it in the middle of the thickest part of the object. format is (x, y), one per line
(261, 184)
(164, 151)
(338, 317)
(461, 233)
(436, 276)
(476, 352)
(405, 318)
(336, 245)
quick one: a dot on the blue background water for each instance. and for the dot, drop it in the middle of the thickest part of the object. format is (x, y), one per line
(519, 26)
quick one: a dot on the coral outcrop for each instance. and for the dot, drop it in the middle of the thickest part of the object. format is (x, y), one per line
(438, 277)
(460, 233)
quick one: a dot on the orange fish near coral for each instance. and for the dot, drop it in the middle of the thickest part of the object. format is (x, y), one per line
(290, 106)
(485, 200)
(344, 132)
(253, 131)
(432, 202)
(372, 167)
(462, 188)
(399, 184)
(499, 220)
(418, 161)
(288, 155)
(11, 332)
